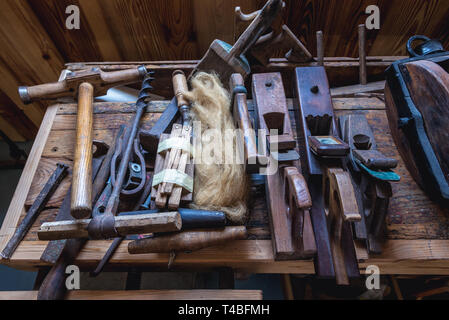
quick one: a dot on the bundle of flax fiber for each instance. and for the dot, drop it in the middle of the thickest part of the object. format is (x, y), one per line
(219, 185)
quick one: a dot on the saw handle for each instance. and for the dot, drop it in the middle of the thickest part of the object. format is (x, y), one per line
(81, 203)
(258, 26)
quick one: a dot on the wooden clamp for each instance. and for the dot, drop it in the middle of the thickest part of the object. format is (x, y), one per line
(371, 173)
(280, 38)
(287, 195)
(333, 197)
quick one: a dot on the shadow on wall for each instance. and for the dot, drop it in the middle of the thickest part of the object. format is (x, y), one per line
(12, 279)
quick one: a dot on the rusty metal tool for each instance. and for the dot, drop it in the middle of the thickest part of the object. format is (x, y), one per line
(84, 85)
(39, 204)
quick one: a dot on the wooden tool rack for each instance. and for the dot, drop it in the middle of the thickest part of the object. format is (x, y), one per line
(418, 230)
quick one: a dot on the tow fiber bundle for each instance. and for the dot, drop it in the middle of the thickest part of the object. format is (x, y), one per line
(220, 184)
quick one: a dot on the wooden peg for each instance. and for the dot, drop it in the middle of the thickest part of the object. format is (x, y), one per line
(320, 48)
(362, 54)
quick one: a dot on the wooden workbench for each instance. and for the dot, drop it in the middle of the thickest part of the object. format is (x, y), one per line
(418, 230)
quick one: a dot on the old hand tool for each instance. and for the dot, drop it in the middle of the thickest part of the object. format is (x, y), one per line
(39, 204)
(100, 169)
(62, 253)
(187, 240)
(84, 85)
(103, 226)
(288, 198)
(117, 241)
(280, 38)
(191, 219)
(371, 173)
(225, 59)
(177, 149)
(417, 99)
(150, 138)
(122, 226)
(322, 155)
(253, 160)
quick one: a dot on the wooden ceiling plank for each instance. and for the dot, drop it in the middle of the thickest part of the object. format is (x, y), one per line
(28, 55)
(100, 26)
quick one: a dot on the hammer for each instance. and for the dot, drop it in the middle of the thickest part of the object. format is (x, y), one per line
(85, 85)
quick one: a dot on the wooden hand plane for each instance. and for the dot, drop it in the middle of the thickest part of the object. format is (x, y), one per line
(322, 158)
(417, 101)
(288, 197)
(371, 174)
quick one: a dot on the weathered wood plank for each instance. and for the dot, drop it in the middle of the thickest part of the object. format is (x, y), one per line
(407, 257)
(144, 295)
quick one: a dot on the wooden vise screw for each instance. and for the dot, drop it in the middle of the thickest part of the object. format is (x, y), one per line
(84, 85)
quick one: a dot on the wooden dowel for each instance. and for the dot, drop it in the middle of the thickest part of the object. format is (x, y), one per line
(81, 203)
(362, 55)
(320, 48)
(126, 225)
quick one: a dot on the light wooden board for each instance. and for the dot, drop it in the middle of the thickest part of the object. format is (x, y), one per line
(144, 295)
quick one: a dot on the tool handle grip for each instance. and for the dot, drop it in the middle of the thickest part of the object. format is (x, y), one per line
(122, 77)
(54, 286)
(187, 241)
(259, 25)
(298, 188)
(243, 120)
(101, 80)
(81, 203)
(48, 91)
(179, 87)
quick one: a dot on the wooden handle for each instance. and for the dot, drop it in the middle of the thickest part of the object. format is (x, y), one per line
(298, 188)
(187, 241)
(48, 91)
(242, 118)
(81, 203)
(54, 287)
(101, 81)
(261, 23)
(122, 77)
(179, 87)
(126, 225)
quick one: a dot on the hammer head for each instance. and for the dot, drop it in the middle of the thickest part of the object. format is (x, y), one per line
(217, 60)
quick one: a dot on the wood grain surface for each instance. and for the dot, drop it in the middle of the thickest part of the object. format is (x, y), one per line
(35, 42)
(145, 295)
